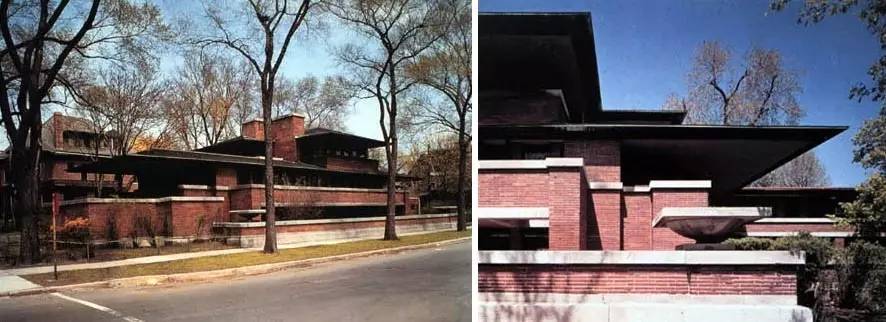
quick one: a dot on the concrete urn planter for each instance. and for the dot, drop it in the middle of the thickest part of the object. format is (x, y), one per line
(708, 225)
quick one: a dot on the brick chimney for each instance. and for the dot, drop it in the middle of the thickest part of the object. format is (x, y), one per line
(254, 129)
(284, 130)
(58, 129)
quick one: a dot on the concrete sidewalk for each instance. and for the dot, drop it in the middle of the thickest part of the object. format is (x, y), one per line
(9, 280)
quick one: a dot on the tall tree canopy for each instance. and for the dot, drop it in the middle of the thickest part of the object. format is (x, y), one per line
(446, 68)
(260, 32)
(760, 90)
(325, 103)
(397, 31)
(214, 95)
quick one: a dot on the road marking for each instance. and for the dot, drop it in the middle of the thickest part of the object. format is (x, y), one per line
(97, 307)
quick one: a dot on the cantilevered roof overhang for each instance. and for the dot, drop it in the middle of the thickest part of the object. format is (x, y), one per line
(730, 156)
(526, 52)
(157, 160)
(238, 146)
(332, 138)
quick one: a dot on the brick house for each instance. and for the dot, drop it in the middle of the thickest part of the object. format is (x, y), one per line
(326, 186)
(571, 195)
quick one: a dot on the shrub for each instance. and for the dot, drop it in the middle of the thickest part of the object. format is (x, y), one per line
(749, 243)
(75, 229)
(861, 274)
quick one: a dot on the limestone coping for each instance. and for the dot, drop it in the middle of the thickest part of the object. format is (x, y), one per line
(512, 213)
(142, 200)
(203, 187)
(641, 257)
(530, 164)
(596, 185)
(796, 220)
(247, 211)
(261, 224)
(679, 184)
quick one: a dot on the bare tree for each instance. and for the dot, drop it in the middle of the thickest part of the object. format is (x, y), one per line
(400, 30)
(324, 103)
(447, 69)
(213, 97)
(40, 39)
(804, 171)
(260, 31)
(762, 92)
(125, 98)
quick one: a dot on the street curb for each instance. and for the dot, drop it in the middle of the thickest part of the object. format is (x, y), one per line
(152, 280)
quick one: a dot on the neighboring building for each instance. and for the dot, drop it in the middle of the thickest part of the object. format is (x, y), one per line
(558, 172)
(326, 187)
(67, 142)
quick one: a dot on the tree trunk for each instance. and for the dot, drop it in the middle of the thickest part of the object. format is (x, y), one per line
(461, 222)
(390, 221)
(270, 222)
(26, 181)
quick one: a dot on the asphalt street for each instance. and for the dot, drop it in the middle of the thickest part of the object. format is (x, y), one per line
(421, 285)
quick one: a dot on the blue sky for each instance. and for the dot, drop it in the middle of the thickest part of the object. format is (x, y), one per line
(644, 49)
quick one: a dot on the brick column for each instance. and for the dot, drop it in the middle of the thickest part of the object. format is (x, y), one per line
(567, 224)
(678, 194)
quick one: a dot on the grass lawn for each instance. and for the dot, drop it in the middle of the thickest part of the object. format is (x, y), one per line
(236, 260)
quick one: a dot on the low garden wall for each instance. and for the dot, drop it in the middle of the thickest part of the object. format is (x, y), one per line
(317, 231)
(640, 285)
(252, 196)
(112, 218)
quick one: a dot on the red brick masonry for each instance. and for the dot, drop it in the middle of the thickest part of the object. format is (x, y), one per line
(623, 279)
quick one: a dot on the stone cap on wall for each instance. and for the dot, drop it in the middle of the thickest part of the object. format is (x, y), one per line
(261, 224)
(641, 257)
(142, 200)
(530, 164)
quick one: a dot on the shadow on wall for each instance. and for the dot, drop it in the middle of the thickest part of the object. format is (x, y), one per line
(497, 282)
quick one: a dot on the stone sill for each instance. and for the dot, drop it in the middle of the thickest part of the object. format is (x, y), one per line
(642, 257)
(262, 224)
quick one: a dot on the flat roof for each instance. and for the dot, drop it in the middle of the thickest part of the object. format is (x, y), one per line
(541, 51)
(331, 137)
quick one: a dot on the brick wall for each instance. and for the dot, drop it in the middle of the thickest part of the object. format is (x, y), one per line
(168, 218)
(602, 158)
(663, 238)
(562, 190)
(337, 163)
(253, 197)
(604, 220)
(646, 279)
(637, 221)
